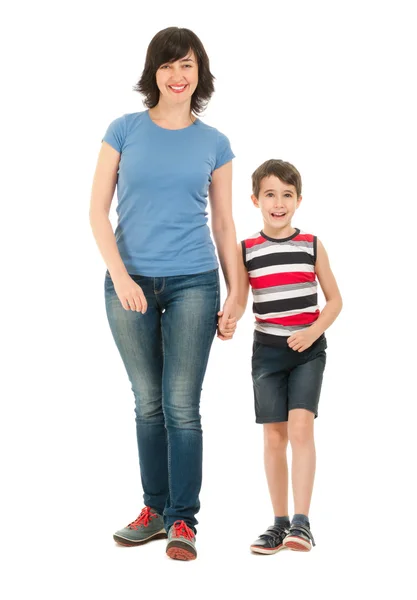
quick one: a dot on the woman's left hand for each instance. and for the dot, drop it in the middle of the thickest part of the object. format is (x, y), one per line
(227, 321)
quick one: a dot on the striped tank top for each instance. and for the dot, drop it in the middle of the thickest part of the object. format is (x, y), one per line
(284, 286)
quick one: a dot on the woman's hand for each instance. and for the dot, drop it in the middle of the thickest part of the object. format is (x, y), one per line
(130, 294)
(227, 319)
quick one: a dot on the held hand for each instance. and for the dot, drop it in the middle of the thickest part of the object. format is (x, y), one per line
(301, 340)
(227, 321)
(227, 332)
(130, 294)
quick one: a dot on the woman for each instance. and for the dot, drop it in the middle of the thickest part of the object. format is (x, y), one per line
(162, 283)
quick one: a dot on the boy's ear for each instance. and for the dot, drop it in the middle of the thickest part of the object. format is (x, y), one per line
(255, 200)
(299, 201)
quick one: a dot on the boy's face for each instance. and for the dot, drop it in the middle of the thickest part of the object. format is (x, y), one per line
(278, 202)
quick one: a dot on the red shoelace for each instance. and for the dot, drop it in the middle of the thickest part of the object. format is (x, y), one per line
(181, 529)
(143, 519)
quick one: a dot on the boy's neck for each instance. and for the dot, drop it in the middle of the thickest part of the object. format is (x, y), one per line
(279, 233)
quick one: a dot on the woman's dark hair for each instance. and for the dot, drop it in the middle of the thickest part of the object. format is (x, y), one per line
(281, 169)
(167, 46)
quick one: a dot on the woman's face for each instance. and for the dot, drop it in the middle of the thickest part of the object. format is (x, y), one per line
(178, 80)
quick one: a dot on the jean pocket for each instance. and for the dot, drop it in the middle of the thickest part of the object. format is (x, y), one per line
(256, 346)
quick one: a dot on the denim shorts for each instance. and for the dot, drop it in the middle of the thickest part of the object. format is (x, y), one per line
(284, 379)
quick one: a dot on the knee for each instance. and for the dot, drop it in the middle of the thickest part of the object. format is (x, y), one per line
(276, 437)
(148, 405)
(301, 433)
(180, 417)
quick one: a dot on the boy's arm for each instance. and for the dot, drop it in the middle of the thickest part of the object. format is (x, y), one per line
(243, 284)
(330, 290)
(301, 340)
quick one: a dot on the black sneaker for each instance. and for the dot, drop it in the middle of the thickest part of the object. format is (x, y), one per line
(271, 541)
(299, 538)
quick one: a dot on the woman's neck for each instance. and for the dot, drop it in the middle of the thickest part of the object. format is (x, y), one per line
(172, 116)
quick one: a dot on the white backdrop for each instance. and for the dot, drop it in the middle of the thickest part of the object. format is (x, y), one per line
(329, 86)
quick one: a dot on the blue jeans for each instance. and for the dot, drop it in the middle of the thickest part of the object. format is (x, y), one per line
(165, 353)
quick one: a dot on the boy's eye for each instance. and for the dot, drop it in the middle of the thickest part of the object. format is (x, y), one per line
(269, 194)
(288, 195)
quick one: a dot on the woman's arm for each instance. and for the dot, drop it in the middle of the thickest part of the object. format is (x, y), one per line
(243, 284)
(222, 225)
(104, 183)
(224, 233)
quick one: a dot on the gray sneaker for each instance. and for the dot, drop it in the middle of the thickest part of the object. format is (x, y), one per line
(299, 538)
(148, 526)
(181, 542)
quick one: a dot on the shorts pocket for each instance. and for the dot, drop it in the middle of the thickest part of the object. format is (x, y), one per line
(256, 346)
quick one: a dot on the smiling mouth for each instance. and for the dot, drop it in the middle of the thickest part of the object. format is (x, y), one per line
(177, 89)
(278, 215)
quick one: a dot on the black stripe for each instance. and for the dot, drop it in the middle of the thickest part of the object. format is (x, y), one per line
(279, 258)
(277, 306)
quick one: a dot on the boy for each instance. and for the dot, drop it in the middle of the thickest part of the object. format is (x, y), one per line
(281, 265)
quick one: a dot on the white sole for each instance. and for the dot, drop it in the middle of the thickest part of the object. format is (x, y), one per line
(259, 550)
(294, 543)
(120, 537)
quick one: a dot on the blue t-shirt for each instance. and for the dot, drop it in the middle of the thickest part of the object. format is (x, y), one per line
(162, 186)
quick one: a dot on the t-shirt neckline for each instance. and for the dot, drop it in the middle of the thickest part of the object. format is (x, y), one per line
(279, 240)
(165, 128)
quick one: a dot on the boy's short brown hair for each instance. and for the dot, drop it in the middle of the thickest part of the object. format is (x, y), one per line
(279, 168)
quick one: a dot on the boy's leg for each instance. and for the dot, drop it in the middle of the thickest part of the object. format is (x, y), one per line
(276, 468)
(301, 436)
(304, 386)
(270, 375)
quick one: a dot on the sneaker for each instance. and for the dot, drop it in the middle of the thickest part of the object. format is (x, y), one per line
(271, 541)
(181, 542)
(148, 526)
(299, 538)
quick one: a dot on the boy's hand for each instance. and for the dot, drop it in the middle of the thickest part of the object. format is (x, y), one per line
(228, 330)
(226, 323)
(301, 340)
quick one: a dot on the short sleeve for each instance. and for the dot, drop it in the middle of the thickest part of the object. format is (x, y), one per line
(116, 134)
(224, 152)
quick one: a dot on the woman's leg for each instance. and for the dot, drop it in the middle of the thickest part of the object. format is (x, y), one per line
(188, 328)
(139, 340)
